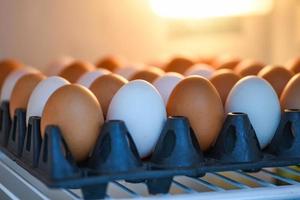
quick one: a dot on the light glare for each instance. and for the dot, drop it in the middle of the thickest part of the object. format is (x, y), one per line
(198, 9)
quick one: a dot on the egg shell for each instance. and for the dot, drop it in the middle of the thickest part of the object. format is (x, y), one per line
(6, 67)
(142, 109)
(293, 65)
(41, 93)
(277, 76)
(22, 91)
(166, 83)
(256, 97)
(226, 61)
(248, 67)
(157, 63)
(88, 78)
(290, 96)
(105, 87)
(57, 65)
(76, 111)
(110, 63)
(128, 71)
(197, 99)
(11, 80)
(149, 74)
(179, 65)
(209, 60)
(203, 70)
(75, 70)
(224, 80)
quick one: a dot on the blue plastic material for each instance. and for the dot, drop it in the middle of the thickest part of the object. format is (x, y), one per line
(286, 141)
(115, 150)
(17, 133)
(33, 140)
(177, 146)
(5, 123)
(115, 156)
(237, 141)
(55, 157)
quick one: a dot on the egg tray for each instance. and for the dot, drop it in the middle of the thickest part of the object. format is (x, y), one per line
(115, 155)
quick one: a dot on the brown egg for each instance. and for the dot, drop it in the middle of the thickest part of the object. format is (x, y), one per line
(277, 76)
(248, 67)
(73, 71)
(22, 91)
(209, 60)
(226, 61)
(290, 95)
(76, 111)
(7, 66)
(224, 80)
(55, 66)
(179, 65)
(293, 65)
(110, 62)
(156, 63)
(198, 100)
(105, 87)
(148, 74)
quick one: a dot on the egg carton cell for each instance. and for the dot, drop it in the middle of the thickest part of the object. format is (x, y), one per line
(115, 156)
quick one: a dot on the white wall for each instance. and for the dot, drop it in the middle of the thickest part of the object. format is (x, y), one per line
(37, 31)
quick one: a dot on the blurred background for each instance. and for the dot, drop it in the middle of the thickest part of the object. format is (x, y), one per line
(37, 32)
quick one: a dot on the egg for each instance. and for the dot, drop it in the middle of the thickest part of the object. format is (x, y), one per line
(57, 65)
(157, 63)
(22, 91)
(6, 67)
(248, 67)
(224, 80)
(89, 77)
(75, 70)
(11, 80)
(105, 87)
(277, 76)
(76, 111)
(41, 93)
(128, 71)
(293, 65)
(209, 60)
(226, 61)
(198, 100)
(10, 63)
(256, 97)
(142, 109)
(179, 65)
(166, 83)
(149, 74)
(110, 63)
(290, 95)
(203, 70)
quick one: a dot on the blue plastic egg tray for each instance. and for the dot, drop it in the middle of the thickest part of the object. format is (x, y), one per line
(115, 156)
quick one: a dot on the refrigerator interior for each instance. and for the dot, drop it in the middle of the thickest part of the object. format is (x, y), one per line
(38, 32)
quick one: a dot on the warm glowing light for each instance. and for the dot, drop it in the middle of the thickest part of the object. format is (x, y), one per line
(197, 9)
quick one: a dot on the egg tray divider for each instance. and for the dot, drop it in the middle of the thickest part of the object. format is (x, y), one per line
(115, 155)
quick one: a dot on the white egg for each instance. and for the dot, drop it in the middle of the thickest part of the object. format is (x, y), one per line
(41, 93)
(256, 97)
(203, 70)
(88, 78)
(142, 109)
(12, 79)
(128, 71)
(166, 83)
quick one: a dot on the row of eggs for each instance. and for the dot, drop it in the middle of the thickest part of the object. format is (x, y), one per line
(80, 109)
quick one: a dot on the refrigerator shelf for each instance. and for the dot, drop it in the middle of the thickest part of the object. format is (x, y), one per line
(16, 183)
